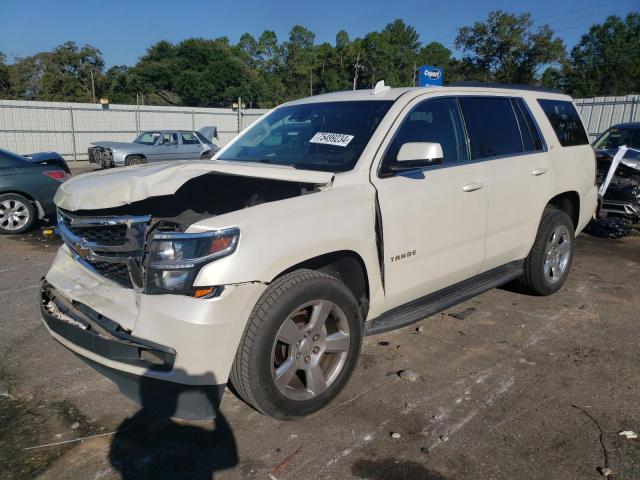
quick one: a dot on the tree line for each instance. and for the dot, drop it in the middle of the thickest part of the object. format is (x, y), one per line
(265, 71)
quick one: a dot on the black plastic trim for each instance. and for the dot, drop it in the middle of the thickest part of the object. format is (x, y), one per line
(101, 335)
(433, 303)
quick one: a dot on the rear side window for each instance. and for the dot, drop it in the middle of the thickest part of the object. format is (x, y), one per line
(189, 138)
(565, 122)
(528, 129)
(492, 126)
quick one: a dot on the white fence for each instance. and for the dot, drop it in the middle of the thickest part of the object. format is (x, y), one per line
(600, 113)
(69, 128)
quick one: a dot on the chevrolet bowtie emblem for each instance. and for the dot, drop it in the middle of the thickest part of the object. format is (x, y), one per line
(80, 250)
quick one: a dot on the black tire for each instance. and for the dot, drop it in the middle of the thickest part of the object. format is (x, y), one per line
(26, 208)
(135, 160)
(534, 280)
(251, 374)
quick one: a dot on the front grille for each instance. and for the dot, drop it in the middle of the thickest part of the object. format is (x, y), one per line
(107, 244)
(117, 272)
(107, 235)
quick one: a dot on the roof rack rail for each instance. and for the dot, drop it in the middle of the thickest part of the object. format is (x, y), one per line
(512, 86)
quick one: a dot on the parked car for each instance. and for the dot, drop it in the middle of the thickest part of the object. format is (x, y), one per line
(156, 146)
(622, 197)
(331, 218)
(27, 186)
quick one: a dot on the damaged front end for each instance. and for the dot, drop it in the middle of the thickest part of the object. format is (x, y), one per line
(618, 180)
(144, 244)
(123, 291)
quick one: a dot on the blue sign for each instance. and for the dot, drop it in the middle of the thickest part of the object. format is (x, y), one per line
(429, 76)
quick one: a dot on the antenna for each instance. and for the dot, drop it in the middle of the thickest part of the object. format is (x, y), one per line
(379, 88)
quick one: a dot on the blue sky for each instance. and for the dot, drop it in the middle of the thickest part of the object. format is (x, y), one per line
(123, 30)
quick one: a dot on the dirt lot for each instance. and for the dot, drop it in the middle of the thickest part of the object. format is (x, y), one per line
(522, 388)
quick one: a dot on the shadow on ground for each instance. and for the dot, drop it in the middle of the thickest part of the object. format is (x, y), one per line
(152, 445)
(393, 469)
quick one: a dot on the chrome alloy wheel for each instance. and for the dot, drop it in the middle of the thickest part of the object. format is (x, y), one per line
(557, 253)
(13, 214)
(310, 350)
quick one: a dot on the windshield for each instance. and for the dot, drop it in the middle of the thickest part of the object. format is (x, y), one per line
(617, 137)
(147, 138)
(313, 136)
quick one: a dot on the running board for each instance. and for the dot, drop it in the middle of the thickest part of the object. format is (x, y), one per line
(436, 302)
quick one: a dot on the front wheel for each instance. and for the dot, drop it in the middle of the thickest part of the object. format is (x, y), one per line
(300, 345)
(547, 266)
(135, 160)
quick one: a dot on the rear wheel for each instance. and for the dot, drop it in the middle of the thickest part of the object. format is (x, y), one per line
(135, 160)
(300, 345)
(17, 214)
(547, 266)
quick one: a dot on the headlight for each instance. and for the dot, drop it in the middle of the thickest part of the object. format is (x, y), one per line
(176, 258)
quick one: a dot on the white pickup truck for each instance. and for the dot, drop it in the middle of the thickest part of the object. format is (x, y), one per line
(330, 218)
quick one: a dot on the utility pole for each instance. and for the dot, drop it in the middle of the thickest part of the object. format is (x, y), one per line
(311, 83)
(356, 67)
(413, 84)
(93, 86)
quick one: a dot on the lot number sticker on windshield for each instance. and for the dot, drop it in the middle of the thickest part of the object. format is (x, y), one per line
(337, 139)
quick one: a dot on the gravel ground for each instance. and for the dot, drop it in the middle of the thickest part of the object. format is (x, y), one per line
(511, 386)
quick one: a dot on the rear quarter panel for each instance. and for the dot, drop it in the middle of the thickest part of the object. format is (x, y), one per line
(574, 167)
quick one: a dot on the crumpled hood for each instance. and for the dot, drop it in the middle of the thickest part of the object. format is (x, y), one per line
(122, 186)
(116, 145)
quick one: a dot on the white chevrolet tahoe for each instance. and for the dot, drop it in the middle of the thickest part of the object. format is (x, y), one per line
(330, 218)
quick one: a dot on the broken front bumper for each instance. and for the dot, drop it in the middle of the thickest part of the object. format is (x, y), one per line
(170, 347)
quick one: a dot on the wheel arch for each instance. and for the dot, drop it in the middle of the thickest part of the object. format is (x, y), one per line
(31, 198)
(568, 202)
(129, 155)
(345, 265)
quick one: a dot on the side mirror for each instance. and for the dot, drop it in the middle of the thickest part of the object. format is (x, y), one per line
(417, 155)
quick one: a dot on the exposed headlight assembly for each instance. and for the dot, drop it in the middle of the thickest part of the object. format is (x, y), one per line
(176, 258)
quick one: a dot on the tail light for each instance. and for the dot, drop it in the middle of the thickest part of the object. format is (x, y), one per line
(59, 175)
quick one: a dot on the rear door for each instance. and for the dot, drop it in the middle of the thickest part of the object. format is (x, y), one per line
(433, 218)
(190, 148)
(504, 137)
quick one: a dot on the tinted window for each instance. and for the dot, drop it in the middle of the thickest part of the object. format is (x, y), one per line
(189, 138)
(327, 136)
(617, 137)
(565, 122)
(491, 125)
(436, 121)
(528, 129)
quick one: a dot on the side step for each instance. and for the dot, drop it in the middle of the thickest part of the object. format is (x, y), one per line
(438, 301)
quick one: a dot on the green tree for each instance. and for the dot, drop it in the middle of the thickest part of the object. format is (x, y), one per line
(605, 61)
(5, 82)
(507, 49)
(299, 62)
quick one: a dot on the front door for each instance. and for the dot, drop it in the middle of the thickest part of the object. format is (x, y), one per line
(166, 148)
(434, 219)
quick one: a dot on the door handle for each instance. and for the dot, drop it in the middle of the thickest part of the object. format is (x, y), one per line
(472, 187)
(539, 171)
